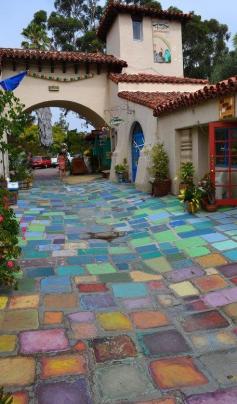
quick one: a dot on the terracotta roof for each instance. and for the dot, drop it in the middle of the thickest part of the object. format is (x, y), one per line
(150, 100)
(153, 78)
(115, 8)
(33, 54)
(224, 87)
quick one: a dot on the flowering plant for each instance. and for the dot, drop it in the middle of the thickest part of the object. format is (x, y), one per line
(9, 249)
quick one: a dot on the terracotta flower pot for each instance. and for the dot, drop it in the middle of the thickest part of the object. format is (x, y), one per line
(161, 188)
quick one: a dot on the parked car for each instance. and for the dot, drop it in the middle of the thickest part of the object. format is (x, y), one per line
(40, 162)
(54, 161)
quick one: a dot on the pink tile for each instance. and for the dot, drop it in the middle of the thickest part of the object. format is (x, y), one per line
(43, 341)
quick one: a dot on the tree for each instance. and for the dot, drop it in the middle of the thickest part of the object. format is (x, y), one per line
(227, 66)
(37, 38)
(204, 45)
(74, 24)
(35, 33)
(12, 123)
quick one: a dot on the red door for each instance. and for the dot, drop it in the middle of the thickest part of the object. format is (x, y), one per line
(223, 161)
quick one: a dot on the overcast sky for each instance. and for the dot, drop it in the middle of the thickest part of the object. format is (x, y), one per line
(16, 14)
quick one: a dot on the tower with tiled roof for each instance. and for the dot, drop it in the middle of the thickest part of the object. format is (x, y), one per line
(149, 39)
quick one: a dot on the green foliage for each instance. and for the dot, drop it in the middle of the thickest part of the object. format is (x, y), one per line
(191, 197)
(35, 33)
(5, 398)
(76, 142)
(187, 172)
(204, 45)
(9, 249)
(159, 162)
(122, 168)
(207, 188)
(227, 67)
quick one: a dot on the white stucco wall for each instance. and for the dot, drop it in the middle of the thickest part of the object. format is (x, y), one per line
(139, 54)
(88, 96)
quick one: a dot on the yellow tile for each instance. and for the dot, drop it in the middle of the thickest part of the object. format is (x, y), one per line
(7, 343)
(114, 321)
(86, 279)
(24, 302)
(17, 371)
(139, 276)
(184, 289)
(3, 302)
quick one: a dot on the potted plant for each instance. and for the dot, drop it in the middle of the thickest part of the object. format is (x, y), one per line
(161, 183)
(186, 174)
(191, 198)
(121, 171)
(208, 190)
(3, 183)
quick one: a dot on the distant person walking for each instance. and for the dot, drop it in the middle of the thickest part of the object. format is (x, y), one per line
(62, 161)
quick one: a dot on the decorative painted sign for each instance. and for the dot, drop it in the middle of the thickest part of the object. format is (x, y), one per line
(227, 107)
(161, 46)
(53, 88)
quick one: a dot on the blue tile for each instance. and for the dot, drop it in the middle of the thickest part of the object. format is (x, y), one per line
(129, 290)
(231, 255)
(39, 272)
(56, 284)
(213, 237)
(147, 248)
(83, 260)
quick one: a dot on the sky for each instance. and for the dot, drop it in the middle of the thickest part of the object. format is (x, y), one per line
(16, 15)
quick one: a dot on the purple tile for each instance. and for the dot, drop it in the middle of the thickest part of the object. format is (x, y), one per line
(62, 392)
(137, 303)
(43, 341)
(228, 270)
(217, 299)
(164, 343)
(97, 301)
(217, 397)
(183, 274)
(82, 317)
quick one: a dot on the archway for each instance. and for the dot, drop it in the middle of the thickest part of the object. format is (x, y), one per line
(137, 144)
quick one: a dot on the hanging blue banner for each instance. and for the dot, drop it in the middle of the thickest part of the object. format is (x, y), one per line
(12, 82)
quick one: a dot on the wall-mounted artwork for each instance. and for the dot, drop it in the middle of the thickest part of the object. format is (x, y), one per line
(161, 46)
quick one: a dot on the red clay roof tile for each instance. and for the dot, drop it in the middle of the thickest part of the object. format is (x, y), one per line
(33, 54)
(153, 78)
(150, 100)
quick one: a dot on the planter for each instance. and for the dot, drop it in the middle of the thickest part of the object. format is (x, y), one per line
(191, 207)
(161, 188)
(208, 207)
(13, 196)
(120, 176)
(3, 184)
(24, 184)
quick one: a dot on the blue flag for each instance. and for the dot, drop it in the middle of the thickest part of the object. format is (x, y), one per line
(12, 82)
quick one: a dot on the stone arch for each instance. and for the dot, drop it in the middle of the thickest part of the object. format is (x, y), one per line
(91, 116)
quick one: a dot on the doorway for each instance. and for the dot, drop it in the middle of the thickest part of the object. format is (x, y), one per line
(223, 161)
(137, 146)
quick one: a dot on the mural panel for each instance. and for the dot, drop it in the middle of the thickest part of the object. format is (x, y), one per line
(161, 46)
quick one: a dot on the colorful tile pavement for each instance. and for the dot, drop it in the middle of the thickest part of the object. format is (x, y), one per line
(124, 298)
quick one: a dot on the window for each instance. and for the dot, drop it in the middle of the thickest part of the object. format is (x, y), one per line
(137, 29)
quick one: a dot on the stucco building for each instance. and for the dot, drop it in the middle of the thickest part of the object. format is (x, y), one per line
(139, 89)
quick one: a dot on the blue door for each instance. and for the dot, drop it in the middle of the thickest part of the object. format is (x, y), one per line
(137, 145)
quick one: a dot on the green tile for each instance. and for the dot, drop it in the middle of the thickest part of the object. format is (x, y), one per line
(190, 242)
(184, 228)
(93, 251)
(197, 251)
(154, 254)
(225, 245)
(26, 285)
(165, 236)
(141, 241)
(97, 269)
(36, 227)
(119, 250)
(159, 264)
(115, 277)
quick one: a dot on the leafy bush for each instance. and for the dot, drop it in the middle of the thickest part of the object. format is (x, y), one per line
(9, 249)
(159, 162)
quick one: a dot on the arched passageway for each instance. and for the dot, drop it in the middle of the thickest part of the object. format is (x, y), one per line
(137, 144)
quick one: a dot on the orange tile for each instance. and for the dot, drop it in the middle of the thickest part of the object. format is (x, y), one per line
(20, 398)
(53, 317)
(149, 319)
(211, 260)
(209, 283)
(176, 372)
(24, 302)
(63, 365)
